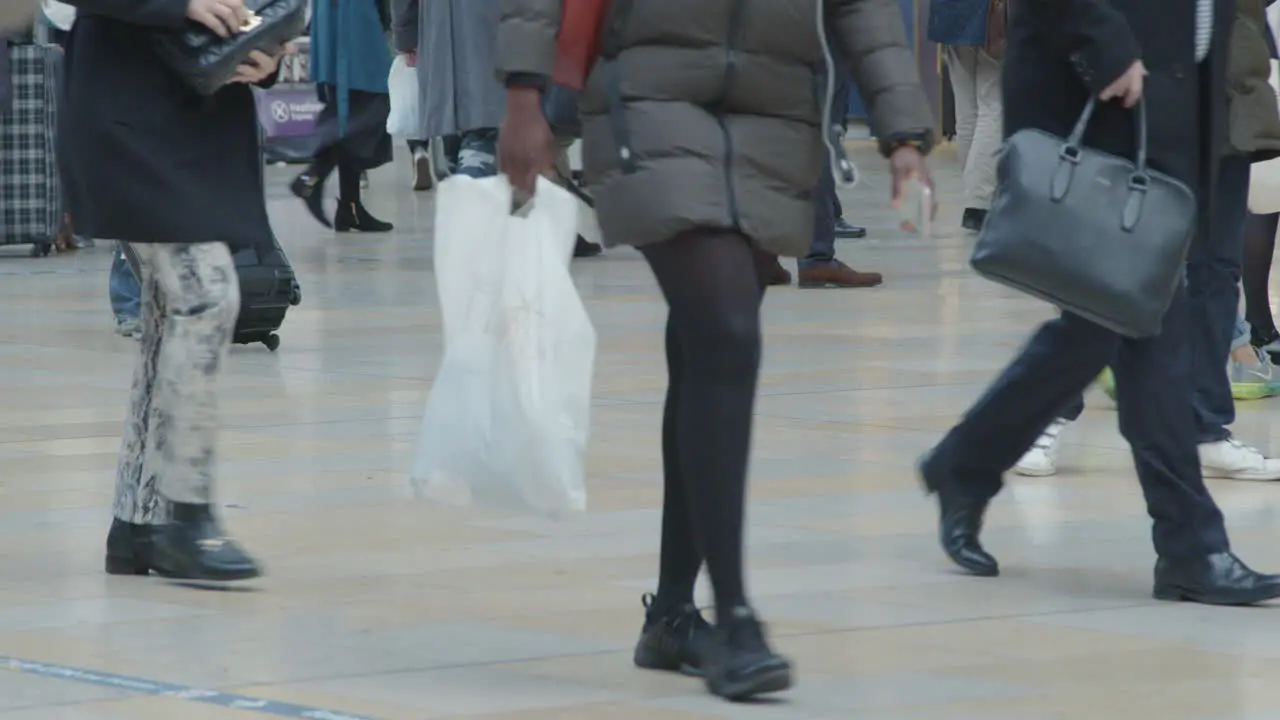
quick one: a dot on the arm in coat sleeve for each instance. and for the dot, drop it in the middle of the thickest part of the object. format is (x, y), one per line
(875, 42)
(405, 27)
(1099, 41)
(159, 13)
(527, 32)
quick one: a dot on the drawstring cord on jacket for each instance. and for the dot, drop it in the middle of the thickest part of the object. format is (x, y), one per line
(846, 173)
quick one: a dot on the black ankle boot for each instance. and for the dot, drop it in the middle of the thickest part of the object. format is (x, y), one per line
(193, 547)
(129, 548)
(739, 665)
(352, 215)
(310, 189)
(672, 639)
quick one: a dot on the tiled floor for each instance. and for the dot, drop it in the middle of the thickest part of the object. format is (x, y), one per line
(380, 607)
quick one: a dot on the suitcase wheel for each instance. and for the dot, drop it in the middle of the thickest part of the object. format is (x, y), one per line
(295, 295)
(41, 249)
(272, 342)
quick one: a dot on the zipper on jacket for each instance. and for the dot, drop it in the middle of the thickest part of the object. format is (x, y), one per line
(617, 110)
(730, 74)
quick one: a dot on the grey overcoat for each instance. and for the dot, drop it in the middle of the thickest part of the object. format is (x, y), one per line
(456, 44)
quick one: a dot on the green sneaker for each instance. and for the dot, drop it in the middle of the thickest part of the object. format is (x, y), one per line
(1107, 382)
(1253, 382)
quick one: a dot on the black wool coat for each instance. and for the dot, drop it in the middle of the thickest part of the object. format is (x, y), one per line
(1059, 52)
(145, 159)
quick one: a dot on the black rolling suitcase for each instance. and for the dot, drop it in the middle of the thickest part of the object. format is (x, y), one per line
(268, 288)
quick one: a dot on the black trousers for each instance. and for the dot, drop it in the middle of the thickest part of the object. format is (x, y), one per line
(1155, 396)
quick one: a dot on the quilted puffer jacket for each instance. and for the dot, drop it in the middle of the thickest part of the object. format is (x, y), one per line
(708, 113)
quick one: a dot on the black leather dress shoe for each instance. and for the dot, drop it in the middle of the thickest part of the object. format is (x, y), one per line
(1219, 579)
(846, 230)
(193, 547)
(129, 548)
(960, 523)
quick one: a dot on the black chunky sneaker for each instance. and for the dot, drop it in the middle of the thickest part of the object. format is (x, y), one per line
(739, 665)
(673, 640)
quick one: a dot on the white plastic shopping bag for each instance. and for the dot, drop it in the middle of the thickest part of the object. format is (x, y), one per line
(506, 421)
(403, 121)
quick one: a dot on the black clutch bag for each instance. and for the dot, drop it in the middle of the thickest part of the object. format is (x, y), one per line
(1100, 236)
(206, 62)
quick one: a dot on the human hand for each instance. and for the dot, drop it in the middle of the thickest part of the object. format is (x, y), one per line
(411, 58)
(223, 17)
(1127, 87)
(258, 66)
(907, 164)
(526, 147)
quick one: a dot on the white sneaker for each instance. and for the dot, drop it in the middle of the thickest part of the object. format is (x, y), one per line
(1042, 459)
(1231, 459)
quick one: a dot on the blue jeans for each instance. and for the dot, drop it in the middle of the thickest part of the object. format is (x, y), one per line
(826, 203)
(478, 153)
(123, 288)
(1213, 299)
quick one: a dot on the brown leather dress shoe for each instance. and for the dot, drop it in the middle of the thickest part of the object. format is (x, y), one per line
(837, 274)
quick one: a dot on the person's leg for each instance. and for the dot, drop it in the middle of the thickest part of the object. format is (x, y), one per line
(1252, 374)
(125, 294)
(980, 162)
(1155, 392)
(1259, 252)
(962, 67)
(176, 450)
(352, 214)
(478, 153)
(1213, 297)
(420, 155)
(309, 184)
(138, 506)
(1213, 300)
(965, 469)
(711, 281)
(820, 268)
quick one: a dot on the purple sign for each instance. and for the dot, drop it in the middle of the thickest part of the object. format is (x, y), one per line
(288, 111)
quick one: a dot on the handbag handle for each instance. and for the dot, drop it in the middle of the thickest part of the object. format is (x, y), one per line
(1139, 180)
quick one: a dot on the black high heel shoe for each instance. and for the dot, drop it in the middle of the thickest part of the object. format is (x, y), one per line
(310, 189)
(352, 215)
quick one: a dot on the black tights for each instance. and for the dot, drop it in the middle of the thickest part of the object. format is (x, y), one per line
(1259, 250)
(713, 282)
(348, 173)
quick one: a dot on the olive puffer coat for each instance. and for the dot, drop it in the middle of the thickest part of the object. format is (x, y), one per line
(707, 113)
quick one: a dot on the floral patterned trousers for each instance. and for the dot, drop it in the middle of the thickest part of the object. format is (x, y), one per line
(190, 302)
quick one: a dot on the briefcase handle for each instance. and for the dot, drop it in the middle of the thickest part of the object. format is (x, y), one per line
(1071, 152)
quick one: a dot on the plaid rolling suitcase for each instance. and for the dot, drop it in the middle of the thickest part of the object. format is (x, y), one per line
(30, 189)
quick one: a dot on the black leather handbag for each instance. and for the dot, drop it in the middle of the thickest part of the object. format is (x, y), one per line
(206, 62)
(1097, 235)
